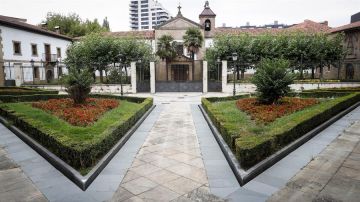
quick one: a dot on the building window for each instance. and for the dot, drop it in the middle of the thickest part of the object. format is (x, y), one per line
(58, 52)
(34, 50)
(17, 47)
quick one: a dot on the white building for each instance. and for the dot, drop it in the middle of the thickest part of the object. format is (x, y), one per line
(147, 14)
(30, 54)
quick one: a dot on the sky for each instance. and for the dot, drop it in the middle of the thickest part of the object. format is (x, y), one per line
(231, 12)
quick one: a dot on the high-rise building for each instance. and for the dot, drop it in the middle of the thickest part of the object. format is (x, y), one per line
(146, 14)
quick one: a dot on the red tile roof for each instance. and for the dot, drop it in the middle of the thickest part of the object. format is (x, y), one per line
(137, 34)
(310, 27)
(21, 24)
(307, 26)
(351, 26)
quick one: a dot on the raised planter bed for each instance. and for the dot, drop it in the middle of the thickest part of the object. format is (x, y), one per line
(80, 153)
(250, 153)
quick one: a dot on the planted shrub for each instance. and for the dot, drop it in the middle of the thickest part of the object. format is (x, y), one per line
(272, 79)
(78, 84)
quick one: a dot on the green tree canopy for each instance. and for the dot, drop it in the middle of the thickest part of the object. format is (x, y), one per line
(193, 40)
(304, 51)
(97, 52)
(72, 25)
(166, 47)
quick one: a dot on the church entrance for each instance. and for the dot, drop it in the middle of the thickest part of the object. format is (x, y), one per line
(180, 72)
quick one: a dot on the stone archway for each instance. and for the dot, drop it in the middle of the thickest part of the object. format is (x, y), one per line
(49, 75)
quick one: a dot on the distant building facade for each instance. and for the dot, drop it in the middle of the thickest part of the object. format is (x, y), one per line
(147, 14)
(350, 69)
(29, 53)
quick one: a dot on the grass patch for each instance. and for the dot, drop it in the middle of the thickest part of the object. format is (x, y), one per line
(253, 141)
(80, 147)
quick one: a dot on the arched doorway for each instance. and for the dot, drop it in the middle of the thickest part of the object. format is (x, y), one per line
(49, 76)
(350, 71)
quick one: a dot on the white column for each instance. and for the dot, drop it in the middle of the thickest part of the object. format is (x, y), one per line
(133, 77)
(224, 76)
(205, 76)
(152, 77)
(18, 74)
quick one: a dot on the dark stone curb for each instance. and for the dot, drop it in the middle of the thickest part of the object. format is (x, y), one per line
(83, 182)
(244, 176)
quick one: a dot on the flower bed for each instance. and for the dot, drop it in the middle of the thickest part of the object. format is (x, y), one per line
(80, 147)
(252, 142)
(80, 114)
(269, 113)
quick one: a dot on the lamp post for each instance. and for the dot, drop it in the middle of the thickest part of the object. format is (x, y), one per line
(119, 59)
(33, 69)
(234, 58)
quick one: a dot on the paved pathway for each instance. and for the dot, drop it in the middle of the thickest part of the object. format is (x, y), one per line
(14, 185)
(171, 156)
(169, 164)
(334, 175)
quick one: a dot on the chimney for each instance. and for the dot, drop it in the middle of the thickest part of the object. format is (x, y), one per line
(57, 29)
(247, 23)
(276, 22)
(325, 23)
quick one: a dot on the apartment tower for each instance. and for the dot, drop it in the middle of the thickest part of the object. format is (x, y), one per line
(147, 14)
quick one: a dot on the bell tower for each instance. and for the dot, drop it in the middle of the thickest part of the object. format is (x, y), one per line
(207, 19)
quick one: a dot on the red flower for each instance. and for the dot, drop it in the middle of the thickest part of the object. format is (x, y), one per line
(269, 113)
(80, 114)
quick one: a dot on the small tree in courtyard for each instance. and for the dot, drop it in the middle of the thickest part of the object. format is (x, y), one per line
(78, 84)
(193, 41)
(272, 79)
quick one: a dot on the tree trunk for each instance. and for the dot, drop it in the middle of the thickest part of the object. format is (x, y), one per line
(242, 74)
(312, 72)
(237, 73)
(101, 76)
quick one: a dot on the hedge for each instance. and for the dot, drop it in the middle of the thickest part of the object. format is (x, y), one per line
(251, 149)
(79, 156)
(25, 91)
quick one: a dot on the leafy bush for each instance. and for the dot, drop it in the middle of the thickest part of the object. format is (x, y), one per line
(272, 80)
(78, 84)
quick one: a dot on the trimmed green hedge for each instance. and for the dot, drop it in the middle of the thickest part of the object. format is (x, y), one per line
(24, 91)
(251, 148)
(79, 152)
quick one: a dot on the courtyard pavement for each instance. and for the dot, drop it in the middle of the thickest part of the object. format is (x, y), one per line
(173, 156)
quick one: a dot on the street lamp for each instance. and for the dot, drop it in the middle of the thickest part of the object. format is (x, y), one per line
(33, 68)
(218, 60)
(234, 58)
(119, 59)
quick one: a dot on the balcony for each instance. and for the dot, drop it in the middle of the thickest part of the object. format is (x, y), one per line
(49, 58)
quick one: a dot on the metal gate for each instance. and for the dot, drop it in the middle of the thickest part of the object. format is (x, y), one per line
(143, 78)
(214, 78)
(179, 86)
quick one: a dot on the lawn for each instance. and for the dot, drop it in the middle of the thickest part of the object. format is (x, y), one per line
(252, 140)
(79, 146)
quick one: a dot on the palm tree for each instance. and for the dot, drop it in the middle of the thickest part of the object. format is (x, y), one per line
(166, 49)
(193, 41)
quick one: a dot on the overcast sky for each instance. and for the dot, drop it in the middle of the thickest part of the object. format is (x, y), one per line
(231, 12)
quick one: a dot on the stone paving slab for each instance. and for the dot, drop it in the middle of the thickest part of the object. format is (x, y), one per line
(14, 184)
(168, 167)
(276, 177)
(331, 176)
(55, 186)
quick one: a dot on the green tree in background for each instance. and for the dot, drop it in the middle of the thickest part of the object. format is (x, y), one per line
(73, 26)
(106, 24)
(193, 41)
